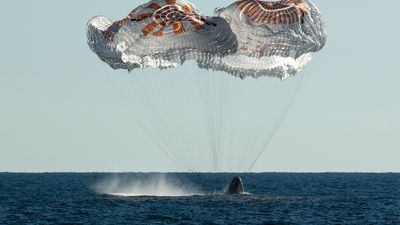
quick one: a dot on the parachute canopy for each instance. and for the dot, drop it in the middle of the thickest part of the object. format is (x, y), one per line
(248, 38)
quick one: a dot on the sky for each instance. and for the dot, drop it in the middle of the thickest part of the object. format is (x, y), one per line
(60, 112)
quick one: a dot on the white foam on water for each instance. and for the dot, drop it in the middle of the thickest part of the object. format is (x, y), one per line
(155, 185)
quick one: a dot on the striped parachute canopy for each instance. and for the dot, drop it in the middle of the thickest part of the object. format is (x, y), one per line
(205, 120)
(248, 38)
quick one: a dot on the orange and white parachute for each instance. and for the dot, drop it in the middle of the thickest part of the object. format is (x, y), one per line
(248, 38)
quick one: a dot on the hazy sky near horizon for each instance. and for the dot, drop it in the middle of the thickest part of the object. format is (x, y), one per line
(59, 112)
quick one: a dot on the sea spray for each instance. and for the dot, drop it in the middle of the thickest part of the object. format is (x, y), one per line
(149, 185)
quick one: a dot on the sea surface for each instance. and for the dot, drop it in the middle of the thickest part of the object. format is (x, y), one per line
(187, 198)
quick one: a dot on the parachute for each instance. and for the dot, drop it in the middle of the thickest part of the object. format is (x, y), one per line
(248, 38)
(209, 121)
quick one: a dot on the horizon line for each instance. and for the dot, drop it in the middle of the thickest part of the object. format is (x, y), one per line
(202, 172)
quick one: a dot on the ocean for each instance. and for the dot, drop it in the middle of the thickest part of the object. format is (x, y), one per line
(189, 198)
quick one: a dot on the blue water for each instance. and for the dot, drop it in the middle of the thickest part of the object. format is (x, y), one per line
(274, 198)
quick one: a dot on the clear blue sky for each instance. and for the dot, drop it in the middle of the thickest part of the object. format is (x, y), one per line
(59, 112)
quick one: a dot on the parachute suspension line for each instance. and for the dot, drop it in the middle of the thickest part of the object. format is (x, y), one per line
(222, 89)
(209, 131)
(217, 104)
(151, 111)
(211, 114)
(264, 110)
(206, 93)
(217, 87)
(222, 125)
(269, 138)
(197, 133)
(183, 101)
(213, 83)
(160, 124)
(186, 98)
(174, 84)
(287, 46)
(198, 136)
(213, 117)
(193, 125)
(230, 145)
(219, 90)
(293, 98)
(131, 113)
(203, 118)
(231, 120)
(242, 99)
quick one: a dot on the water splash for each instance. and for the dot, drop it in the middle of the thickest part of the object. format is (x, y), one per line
(155, 185)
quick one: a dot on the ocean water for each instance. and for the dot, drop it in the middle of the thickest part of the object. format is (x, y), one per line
(185, 198)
